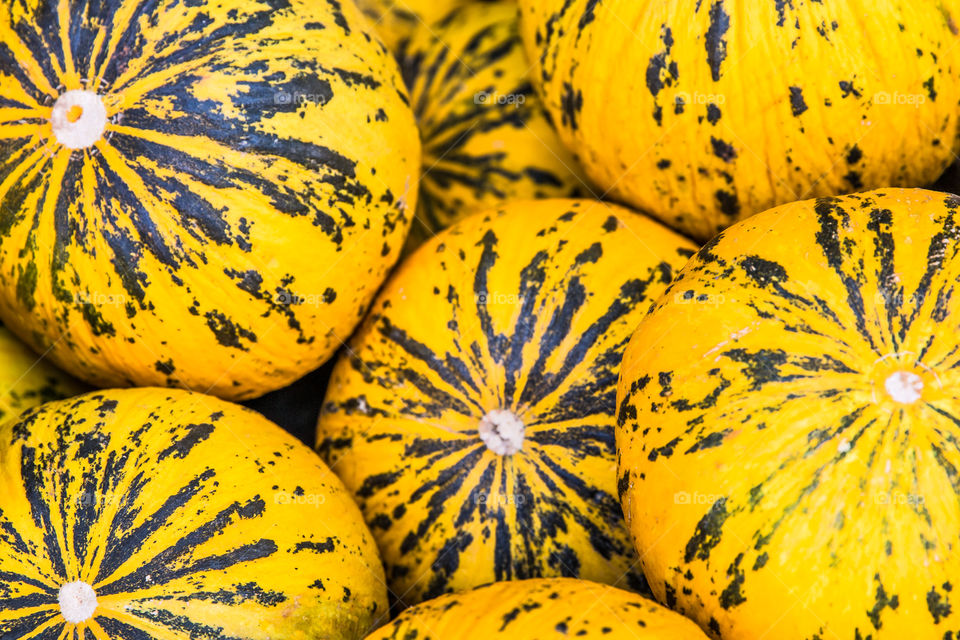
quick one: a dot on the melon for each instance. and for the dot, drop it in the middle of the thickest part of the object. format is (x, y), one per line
(155, 513)
(787, 424)
(704, 112)
(202, 195)
(472, 414)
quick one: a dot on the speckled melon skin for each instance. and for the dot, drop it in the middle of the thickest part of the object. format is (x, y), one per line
(190, 517)
(704, 112)
(396, 20)
(788, 424)
(540, 609)
(486, 137)
(251, 189)
(527, 309)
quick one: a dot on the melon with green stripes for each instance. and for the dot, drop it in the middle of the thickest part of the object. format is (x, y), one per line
(396, 20)
(486, 136)
(198, 194)
(154, 514)
(541, 609)
(472, 415)
(789, 420)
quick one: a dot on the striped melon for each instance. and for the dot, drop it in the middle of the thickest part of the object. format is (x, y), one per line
(789, 420)
(197, 194)
(27, 379)
(486, 138)
(472, 416)
(151, 513)
(704, 112)
(540, 609)
(396, 20)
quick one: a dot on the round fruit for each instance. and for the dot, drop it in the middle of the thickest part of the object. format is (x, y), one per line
(706, 112)
(788, 424)
(152, 513)
(472, 416)
(27, 379)
(486, 138)
(197, 194)
(540, 609)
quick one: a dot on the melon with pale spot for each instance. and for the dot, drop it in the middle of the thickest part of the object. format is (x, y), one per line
(159, 513)
(193, 194)
(472, 415)
(789, 421)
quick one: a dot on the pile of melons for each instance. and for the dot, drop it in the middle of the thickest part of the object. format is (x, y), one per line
(641, 320)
